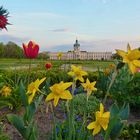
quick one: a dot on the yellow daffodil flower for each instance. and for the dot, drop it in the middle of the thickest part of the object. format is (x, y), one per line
(89, 87)
(59, 55)
(102, 120)
(6, 91)
(131, 58)
(112, 66)
(106, 71)
(33, 88)
(77, 73)
(58, 91)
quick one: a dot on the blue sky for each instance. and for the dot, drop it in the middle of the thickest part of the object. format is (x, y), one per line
(99, 25)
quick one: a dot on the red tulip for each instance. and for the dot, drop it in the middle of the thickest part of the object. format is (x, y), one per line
(31, 50)
(48, 65)
(138, 69)
(3, 22)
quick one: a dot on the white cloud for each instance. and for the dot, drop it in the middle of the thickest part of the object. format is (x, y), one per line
(60, 30)
(7, 37)
(97, 45)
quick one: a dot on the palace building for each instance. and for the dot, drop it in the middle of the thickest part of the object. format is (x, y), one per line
(77, 54)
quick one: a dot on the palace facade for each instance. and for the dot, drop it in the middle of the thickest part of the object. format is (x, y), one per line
(77, 54)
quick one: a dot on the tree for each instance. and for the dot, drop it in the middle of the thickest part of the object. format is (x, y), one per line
(10, 50)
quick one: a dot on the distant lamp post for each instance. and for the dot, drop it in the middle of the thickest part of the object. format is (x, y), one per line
(3, 18)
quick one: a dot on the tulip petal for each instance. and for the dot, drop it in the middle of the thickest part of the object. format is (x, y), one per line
(30, 44)
(35, 51)
(25, 47)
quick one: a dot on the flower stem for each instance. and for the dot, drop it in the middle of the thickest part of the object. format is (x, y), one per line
(29, 75)
(70, 111)
(54, 121)
(114, 75)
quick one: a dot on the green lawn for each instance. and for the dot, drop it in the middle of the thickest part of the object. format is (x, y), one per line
(38, 63)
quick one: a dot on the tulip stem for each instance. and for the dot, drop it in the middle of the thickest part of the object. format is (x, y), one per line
(29, 71)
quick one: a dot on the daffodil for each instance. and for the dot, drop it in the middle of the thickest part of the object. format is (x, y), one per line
(131, 58)
(107, 71)
(33, 88)
(77, 73)
(58, 91)
(59, 55)
(89, 87)
(6, 91)
(102, 120)
(112, 66)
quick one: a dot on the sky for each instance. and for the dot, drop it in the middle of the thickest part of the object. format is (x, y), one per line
(99, 25)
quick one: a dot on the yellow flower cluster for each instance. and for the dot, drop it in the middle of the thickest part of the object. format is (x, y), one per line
(59, 55)
(77, 73)
(89, 87)
(33, 88)
(131, 57)
(110, 68)
(6, 91)
(60, 91)
(102, 120)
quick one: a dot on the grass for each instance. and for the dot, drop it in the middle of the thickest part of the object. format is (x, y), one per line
(38, 63)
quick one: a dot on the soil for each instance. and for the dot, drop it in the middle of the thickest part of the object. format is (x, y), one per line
(45, 124)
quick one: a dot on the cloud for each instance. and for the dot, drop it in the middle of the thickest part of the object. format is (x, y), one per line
(63, 48)
(97, 45)
(60, 30)
(6, 38)
(108, 45)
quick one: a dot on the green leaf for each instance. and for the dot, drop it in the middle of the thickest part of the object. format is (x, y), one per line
(114, 110)
(116, 130)
(30, 112)
(33, 132)
(124, 112)
(18, 123)
(111, 125)
(23, 95)
(5, 103)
